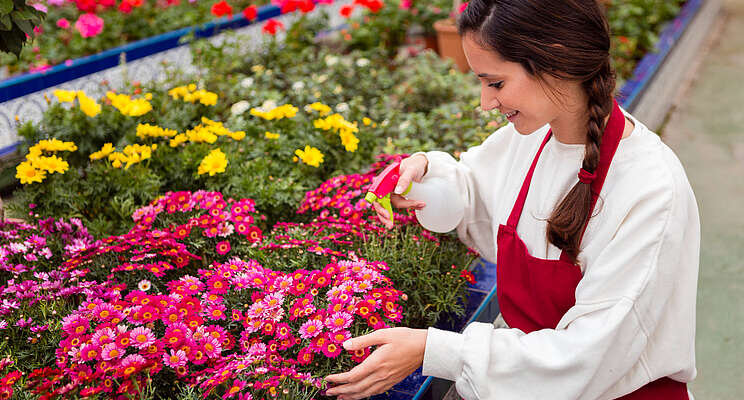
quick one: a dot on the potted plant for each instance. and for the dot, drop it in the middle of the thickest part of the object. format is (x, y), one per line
(448, 39)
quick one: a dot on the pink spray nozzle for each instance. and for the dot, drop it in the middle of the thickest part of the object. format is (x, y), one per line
(385, 182)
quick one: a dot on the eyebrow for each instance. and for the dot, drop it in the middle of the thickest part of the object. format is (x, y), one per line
(488, 76)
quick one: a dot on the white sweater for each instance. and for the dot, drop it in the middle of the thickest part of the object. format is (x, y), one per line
(634, 318)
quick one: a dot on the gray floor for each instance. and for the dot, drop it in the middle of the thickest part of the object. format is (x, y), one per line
(706, 130)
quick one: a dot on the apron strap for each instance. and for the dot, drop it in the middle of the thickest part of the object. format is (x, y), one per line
(611, 137)
(522, 197)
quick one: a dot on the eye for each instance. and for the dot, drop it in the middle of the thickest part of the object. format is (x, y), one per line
(497, 85)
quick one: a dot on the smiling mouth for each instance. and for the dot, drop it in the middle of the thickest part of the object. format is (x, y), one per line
(511, 114)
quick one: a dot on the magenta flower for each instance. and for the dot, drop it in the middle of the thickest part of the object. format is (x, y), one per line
(103, 336)
(175, 359)
(234, 389)
(223, 247)
(111, 351)
(142, 337)
(89, 25)
(89, 352)
(212, 347)
(339, 320)
(311, 329)
(331, 349)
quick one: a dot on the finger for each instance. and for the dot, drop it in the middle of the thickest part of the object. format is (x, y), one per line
(356, 389)
(355, 374)
(381, 211)
(382, 215)
(406, 177)
(371, 339)
(399, 201)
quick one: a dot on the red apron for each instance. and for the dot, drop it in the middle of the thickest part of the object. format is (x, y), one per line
(533, 293)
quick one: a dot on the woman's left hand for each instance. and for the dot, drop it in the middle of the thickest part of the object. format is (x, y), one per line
(400, 352)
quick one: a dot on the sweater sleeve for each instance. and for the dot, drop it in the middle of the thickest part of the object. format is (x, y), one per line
(597, 349)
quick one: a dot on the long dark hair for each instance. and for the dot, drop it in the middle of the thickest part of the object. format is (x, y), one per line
(567, 39)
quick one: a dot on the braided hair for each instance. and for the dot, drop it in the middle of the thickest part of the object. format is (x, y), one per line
(566, 39)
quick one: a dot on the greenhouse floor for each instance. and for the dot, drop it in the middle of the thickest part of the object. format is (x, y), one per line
(706, 130)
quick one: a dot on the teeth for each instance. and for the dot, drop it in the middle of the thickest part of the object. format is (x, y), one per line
(511, 114)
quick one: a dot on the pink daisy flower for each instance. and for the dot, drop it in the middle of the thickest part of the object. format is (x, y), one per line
(331, 349)
(212, 347)
(111, 351)
(89, 351)
(174, 359)
(234, 389)
(142, 337)
(103, 336)
(223, 247)
(283, 331)
(305, 356)
(340, 336)
(311, 329)
(339, 320)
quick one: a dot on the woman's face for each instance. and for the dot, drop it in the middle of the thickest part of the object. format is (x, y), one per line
(508, 87)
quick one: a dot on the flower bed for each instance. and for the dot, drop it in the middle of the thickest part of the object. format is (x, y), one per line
(217, 225)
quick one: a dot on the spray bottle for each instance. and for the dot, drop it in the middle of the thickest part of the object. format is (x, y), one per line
(444, 206)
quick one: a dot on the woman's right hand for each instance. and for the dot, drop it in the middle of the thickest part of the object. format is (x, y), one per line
(412, 169)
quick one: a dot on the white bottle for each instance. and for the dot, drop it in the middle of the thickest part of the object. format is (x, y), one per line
(444, 205)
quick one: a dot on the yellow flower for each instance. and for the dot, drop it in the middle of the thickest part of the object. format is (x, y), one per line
(349, 141)
(321, 108)
(64, 96)
(270, 135)
(147, 130)
(88, 105)
(276, 113)
(26, 173)
(310, 156)
(107, 149)
(366, 121)
(239, 135)
(191, 95)
(117, 159)
(51, 164)
(215, 162)
(180, 138)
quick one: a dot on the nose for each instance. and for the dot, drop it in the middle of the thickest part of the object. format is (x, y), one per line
(489, 101)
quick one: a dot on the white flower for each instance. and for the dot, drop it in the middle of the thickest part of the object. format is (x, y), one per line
(239, 107)
(404, 125)
(144, 285)
(268, 105)
(362, 62)
(247, 82)
(299, 85)
(322, 78)
(331, 60)
(342, 107)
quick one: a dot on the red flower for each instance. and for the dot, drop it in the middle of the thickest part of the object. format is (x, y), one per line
(251, 12)
(221, 8)
(468, 276)
(306, 5)
(372, 5)
(346, 10)
(289, 6)
(271, 27)
(254, 233)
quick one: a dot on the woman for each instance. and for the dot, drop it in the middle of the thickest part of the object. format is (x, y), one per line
(588, 215)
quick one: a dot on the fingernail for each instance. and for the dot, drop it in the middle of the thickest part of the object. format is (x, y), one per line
(347, 344)
(398, 189)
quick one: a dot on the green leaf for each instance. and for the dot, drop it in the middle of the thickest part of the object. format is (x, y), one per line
(22, 23)
(5, 23)
(6, 6)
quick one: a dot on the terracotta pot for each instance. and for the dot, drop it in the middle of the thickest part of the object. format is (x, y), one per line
(449, 43)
